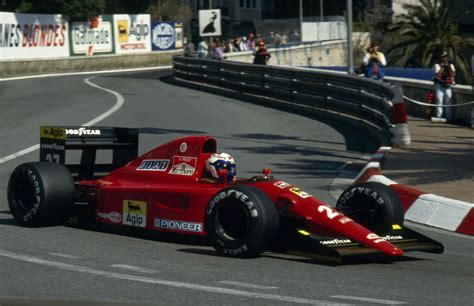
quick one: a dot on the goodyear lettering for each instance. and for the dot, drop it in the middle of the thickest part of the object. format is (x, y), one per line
(82, 131)
(52, 146)
(235, 251)
(335, 241)
(362, 190)
(179, 225)
(37, 192)
(242, 197)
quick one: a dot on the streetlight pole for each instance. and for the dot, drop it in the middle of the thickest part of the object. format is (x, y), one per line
(350, 56)
(321, 11)
(301, 20)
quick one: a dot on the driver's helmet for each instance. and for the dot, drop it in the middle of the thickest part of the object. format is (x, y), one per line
(220, 161)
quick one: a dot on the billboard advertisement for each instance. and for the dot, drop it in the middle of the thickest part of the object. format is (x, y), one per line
(166, 35)
(25, 36)
(132, 33)
(163, 35)
(92, 39)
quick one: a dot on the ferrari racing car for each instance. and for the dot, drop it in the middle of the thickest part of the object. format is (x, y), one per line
(185, 186)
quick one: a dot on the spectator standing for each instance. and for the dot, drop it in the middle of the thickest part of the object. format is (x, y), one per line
(219, 53)
(243, 44)
(203, 49)
(284, 39)
(374, 61)
(251, 42)
(189, 49)
(261, 56)
(444, 80)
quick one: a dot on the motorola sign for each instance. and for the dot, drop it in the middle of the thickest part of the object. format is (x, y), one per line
(210, 23)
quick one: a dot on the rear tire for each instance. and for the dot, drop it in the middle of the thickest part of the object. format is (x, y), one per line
(372, 205)
(40, 194)
(241, 221)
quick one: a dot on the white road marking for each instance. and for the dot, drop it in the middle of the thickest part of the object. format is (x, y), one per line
(247, 285)
(175, 284)
(134, 268)
(39, 76)
(118, 104)
(369, 300)
(64, 255)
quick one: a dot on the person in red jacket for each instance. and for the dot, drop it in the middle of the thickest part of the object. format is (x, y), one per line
(261, 55)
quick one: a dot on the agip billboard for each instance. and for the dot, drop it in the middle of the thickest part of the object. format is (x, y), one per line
(132, 33)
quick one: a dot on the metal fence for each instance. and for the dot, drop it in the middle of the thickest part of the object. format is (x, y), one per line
(357, 101)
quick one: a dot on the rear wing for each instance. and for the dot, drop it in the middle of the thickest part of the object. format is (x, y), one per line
(56, 141)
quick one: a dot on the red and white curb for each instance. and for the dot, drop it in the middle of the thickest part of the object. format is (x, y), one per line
(421, 207)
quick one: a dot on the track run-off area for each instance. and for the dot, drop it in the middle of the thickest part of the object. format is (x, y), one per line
(66, 265)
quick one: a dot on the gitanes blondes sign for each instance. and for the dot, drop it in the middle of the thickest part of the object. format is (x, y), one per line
(33, 36)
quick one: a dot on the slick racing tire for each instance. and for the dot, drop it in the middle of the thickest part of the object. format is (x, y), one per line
(373, 205)
(241, 221)
(40, 194)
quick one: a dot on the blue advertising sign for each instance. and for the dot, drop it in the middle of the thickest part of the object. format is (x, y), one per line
(163, 35)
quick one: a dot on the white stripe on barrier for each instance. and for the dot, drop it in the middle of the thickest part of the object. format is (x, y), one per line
(438, 211)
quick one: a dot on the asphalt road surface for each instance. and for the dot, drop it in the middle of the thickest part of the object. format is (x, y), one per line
(70, 266)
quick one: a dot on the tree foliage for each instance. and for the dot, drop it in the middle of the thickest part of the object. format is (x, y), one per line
(74, 10)
(167, 10)
(424, 32)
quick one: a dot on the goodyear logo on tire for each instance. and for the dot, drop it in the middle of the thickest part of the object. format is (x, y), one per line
(134, 213)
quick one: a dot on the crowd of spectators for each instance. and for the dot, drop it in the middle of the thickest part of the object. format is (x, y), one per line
(218, 47)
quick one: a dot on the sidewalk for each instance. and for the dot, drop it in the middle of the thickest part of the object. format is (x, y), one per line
(440, 160)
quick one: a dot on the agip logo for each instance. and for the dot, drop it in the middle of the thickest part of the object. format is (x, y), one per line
(134, 213)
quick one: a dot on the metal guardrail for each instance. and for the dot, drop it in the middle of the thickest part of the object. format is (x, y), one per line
(354, 100)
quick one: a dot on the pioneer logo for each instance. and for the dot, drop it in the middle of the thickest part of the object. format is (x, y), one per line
(179, 225)
(82, 131)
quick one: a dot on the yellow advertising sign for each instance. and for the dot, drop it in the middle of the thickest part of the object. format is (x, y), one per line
(123, 31)
(134, 213)
(52, 132)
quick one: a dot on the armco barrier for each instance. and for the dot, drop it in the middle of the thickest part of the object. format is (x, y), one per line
(360, 102)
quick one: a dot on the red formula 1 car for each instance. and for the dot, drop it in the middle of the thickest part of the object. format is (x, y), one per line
(169, 189)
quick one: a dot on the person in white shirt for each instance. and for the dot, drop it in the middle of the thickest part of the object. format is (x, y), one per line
(444, 81)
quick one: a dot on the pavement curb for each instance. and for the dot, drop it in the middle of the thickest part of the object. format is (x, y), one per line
(421, 207)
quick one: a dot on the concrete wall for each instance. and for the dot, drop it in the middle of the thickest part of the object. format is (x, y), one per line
(315, 54)
(84, 63)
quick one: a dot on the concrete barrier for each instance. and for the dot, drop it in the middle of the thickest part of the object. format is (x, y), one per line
(13, 68)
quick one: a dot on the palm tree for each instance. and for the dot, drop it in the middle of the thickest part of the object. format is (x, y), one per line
(427, 29)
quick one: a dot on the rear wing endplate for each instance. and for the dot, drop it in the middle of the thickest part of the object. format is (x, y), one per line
(55, 141)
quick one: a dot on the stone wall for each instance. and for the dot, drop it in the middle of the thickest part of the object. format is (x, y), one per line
(314, 54)
(13, 68)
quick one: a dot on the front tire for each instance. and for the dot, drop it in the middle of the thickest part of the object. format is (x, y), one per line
(40, 194)
(372, 205)
(241, 221)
